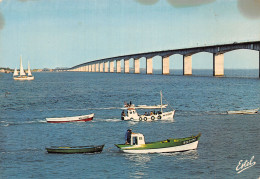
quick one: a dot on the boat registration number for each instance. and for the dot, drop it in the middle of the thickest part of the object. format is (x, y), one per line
(189, 141)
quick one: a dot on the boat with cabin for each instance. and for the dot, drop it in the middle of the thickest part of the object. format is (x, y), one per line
(138, 145)
(156, 112)
(76, 149)
(83, 118)
(22, 75)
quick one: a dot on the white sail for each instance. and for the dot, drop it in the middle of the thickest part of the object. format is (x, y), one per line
(15, 72)
(22, 73)
(29, 70)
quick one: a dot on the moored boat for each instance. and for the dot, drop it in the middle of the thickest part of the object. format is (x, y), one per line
(138, 145)
(153, 115)
(83, 118)
(76, 149)
(247, 111)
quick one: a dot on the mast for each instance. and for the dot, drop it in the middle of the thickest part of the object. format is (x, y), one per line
(21, 67)
(161, 100)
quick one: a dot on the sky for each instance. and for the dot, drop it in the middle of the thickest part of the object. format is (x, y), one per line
(65, 33)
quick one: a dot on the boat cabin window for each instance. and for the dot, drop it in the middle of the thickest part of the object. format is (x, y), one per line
(135, 141)
(140, 138)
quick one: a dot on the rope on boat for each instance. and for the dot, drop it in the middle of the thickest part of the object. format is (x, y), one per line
(167, 102)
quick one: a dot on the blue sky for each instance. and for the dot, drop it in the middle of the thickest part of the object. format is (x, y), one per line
(64, 33)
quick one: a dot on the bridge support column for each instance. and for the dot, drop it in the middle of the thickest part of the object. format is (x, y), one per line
(118, 66)
(94, 68)
(111, 66)
(137, 65)
(87, 69)
(187, 65)
(101, 67)
(106, 67)
(165, 66)
(149, 65)
(218, 64)
(126, 62)
(97, 67)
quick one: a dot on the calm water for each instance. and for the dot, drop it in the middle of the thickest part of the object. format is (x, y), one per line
(200, 104)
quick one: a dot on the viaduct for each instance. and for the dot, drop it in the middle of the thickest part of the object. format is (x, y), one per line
(218, 51)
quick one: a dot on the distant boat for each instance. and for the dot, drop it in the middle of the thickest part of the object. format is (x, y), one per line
(248, 111)
(76, 149)
(71, 119)
(23, 75)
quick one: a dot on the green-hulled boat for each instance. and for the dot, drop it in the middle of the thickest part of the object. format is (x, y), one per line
(76, 149)
(138, 144)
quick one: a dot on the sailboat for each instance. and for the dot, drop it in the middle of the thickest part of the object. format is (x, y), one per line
(22, 75)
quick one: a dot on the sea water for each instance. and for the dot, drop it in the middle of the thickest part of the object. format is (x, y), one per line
(200, 102)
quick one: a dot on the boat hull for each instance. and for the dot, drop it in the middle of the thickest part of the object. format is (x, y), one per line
(77, 149)
(250, 111)
(164, 116)
(182, 148)
(23, 78)
(84, 118)
(167, 146)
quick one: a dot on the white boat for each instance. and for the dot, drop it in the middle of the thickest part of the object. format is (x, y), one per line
(247, 111)
(83, 118)
(138, 145)
(132, 114)
(22, 76)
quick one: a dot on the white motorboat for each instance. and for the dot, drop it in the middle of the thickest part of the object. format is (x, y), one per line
(132, 114)
(83, 118)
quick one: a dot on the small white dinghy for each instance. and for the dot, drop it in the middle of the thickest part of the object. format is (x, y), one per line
(248, 111)
(83, 118)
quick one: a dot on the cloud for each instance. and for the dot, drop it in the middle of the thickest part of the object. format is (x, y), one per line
(147, 2)
(2, 21)
(249, 8)
(187, 3)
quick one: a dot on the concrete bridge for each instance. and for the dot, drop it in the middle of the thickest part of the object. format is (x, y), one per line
(218, 51)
